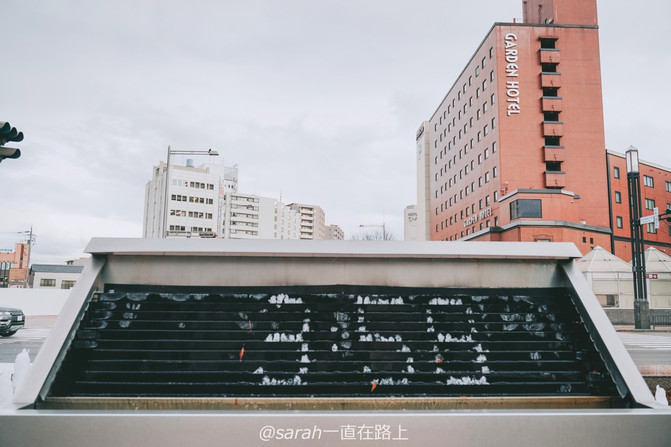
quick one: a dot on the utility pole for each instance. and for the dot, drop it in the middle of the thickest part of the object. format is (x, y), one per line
(31, 241)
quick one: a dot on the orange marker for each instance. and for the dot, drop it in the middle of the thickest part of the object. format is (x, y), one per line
(242, 353)
(374, 385)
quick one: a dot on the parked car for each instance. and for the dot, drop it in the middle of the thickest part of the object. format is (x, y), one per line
(11, 320)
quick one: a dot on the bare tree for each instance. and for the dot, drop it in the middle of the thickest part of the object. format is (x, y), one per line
(373, 235)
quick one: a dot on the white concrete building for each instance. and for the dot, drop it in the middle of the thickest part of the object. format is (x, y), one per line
(411, 227)
(312, 221)
(334, 232)
(54, 276)
(423, 180)
(193, 200)
(204, 201)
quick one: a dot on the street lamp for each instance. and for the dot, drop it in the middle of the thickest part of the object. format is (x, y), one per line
(641, 304)
(208, 152)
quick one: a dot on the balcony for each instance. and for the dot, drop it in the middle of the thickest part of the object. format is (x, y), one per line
(551, 104)
(554, 153)
(550, 79)
(555, 179)
(552, 128)
(549, 56)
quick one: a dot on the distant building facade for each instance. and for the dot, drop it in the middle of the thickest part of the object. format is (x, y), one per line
(312, 221)
(204, 201)
(655, 193)
(54, 276)
(335, 233)
(410, 224)
(14, 266)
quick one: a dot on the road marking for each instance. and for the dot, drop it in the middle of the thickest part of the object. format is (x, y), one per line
(657, 342)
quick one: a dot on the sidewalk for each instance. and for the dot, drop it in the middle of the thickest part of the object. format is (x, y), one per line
(630, 328)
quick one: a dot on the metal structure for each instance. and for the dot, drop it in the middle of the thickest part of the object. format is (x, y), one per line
(174, 341)
(641, 303)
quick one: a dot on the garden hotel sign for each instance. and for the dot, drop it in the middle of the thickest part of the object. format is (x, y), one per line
(512, 86)
(475, 217)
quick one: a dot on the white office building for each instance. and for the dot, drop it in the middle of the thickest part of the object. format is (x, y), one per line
(204, 201)
(193, 197)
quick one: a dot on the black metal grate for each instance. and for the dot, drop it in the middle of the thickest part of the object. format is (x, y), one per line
(349, 342)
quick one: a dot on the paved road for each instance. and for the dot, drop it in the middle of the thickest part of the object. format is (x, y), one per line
(648, 348)
(30, 339)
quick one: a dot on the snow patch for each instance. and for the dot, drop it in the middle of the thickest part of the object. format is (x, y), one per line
(447, 338)
(467, 381)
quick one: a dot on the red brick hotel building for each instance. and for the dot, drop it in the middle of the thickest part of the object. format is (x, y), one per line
(516, 151)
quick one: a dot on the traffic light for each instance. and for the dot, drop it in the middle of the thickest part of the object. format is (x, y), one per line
(666, 216)
(9, 133)
(9, 152)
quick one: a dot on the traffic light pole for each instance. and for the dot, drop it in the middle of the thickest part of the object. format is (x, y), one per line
(641, 304)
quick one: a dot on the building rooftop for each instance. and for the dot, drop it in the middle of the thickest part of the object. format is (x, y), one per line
(56, 268)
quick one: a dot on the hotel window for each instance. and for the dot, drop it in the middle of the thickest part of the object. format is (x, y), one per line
(484, 84)
(618, 197)
(486, 153)
(616, 172)
(477, 71)
(494, 171)
(525, 208)
(479, 158)
(668, 186)
(494, 123)
(487, 201)
(477, 92)
(464, 88)
(551, 92)
(491, 76)
(494, 147)
(496, 196)
(486, 129)
(491, 52)
(492, 99)
(478, 114)
(649, 204)
(651, 228)
(648, 181)
(484, 108)
(484, 62)
(470, 80)
(618, 220)
(486, 177)
(67, 284)
(548, 43)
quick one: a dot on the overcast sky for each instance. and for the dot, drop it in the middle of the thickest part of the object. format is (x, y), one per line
(315, 101)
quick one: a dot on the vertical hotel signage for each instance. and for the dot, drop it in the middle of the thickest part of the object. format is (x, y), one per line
(512, 85)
